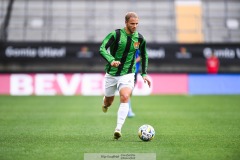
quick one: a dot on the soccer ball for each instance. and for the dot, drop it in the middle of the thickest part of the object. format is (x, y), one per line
(146, 132)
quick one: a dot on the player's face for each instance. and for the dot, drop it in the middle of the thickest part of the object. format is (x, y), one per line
(131, 25)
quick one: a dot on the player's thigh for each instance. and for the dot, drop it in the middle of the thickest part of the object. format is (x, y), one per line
(110, 85)
(126, 81)
(125, 87)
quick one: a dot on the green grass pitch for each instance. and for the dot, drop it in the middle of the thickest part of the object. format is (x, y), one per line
(66, 127)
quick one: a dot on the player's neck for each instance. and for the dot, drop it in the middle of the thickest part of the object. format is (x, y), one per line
(127, 31)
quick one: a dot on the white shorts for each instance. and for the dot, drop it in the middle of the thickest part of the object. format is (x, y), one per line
(113, 83)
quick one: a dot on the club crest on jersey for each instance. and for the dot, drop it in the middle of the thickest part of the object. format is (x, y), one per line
(136, 45)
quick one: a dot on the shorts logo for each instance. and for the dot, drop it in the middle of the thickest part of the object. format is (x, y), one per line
(136, 45)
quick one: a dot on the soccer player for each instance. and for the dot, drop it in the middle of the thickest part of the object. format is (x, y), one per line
(121, 65)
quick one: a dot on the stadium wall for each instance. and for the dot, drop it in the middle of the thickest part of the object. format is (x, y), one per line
(92, 84)
(35, 57)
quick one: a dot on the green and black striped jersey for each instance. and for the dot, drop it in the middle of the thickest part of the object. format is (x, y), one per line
(122, 47)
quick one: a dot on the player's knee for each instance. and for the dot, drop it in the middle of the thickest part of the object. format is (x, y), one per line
(125, 98)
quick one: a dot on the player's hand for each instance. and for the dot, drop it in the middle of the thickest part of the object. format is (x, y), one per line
(115, 63)
(146, 79)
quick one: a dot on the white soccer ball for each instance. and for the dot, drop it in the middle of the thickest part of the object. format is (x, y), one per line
(146, 132)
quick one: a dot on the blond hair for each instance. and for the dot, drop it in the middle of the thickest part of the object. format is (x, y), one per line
(129, 15)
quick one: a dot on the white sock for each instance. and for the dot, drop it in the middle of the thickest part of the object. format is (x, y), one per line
(122, 114)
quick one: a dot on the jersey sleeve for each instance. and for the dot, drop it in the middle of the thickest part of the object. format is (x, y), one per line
(106, 43)
(144, 58)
